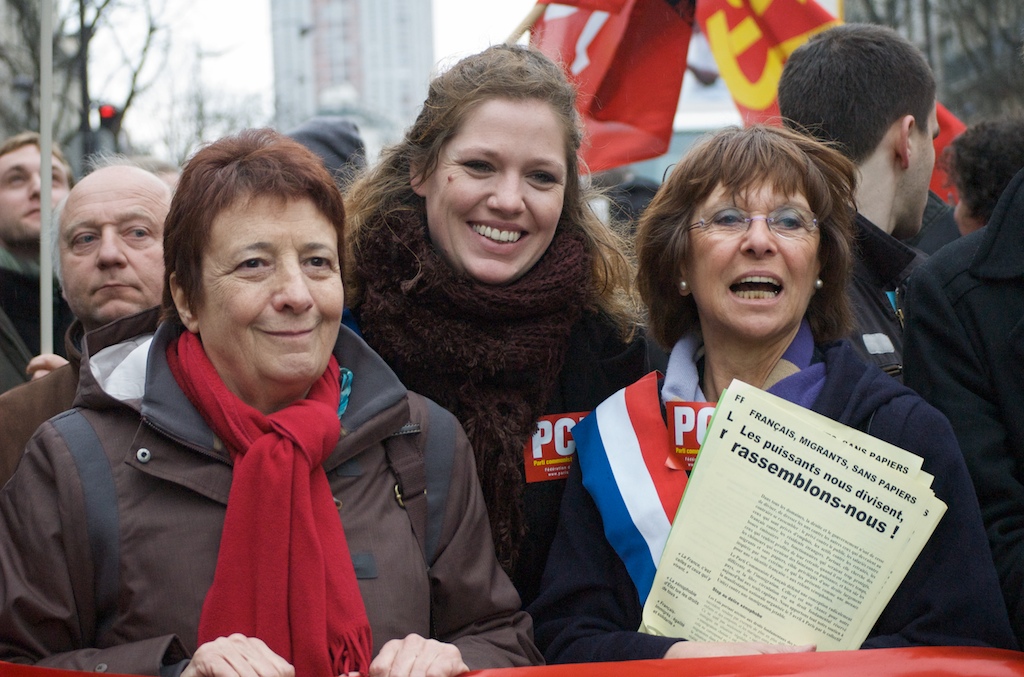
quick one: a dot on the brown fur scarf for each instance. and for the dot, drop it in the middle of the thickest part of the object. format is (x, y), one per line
(489, 354)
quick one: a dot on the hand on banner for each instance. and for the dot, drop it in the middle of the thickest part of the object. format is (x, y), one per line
(712, 649)
(237, 655)
(415, 656)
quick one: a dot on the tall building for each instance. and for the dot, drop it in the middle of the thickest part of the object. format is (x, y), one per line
(370, 59)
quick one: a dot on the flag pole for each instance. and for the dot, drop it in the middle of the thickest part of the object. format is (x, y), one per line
(46, 176)
(527, 23)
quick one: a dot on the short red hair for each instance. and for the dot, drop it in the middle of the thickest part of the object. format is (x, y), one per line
(256, 163)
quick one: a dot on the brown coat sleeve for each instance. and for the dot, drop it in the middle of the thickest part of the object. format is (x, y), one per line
(47, 607)
(473, 602)
(26, 407)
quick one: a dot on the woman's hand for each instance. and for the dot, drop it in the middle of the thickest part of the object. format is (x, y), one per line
(415, 656)
(41, 365)
(237, 655)
(710, 649)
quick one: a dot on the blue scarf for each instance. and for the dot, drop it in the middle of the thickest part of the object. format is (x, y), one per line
(682, 380)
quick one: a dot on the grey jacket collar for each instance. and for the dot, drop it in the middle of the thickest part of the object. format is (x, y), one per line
(377, 405)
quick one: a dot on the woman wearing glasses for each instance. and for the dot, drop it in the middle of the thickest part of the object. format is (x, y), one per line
(744, 256)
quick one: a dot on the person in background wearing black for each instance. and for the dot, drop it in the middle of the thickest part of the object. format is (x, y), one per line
(965, 355)
(980, 163)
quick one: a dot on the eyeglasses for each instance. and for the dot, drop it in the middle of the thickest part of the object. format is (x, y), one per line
(791, 223)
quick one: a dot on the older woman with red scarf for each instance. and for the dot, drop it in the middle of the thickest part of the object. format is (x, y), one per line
(228, 498)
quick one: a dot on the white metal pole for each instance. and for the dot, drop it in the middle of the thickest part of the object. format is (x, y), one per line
(46, 172)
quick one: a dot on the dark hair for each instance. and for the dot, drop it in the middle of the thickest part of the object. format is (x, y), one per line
(848, 84)
(513, 72)
(982, 161)
(255, 164)
(739, 160)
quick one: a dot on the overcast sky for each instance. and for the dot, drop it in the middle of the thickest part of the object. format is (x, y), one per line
(239, 31)
(234, 38)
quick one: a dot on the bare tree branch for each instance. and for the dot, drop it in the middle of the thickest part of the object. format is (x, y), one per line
(975, 46)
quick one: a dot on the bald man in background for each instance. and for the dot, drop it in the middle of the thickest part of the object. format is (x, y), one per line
(109, 246)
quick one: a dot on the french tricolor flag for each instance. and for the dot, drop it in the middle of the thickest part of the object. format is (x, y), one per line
(622, 447)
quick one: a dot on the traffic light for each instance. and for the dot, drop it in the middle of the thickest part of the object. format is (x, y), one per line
(106, 139)
(110, 117)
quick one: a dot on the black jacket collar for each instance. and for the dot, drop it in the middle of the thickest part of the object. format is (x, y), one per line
(885, 257)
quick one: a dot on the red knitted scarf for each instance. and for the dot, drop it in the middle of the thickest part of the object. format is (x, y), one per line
(284, 573)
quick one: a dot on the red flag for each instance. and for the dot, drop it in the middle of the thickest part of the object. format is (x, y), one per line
(751, 40)
(612, 6)
(628, 67)
(950, 127)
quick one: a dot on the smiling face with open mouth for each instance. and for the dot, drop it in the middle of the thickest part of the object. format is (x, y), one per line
(752, 287)
(495, 197)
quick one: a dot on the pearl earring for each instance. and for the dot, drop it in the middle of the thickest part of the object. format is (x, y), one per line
(818, 284)
(683, 287)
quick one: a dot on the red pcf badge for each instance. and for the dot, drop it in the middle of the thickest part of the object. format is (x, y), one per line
(549, 453)
(687, 424)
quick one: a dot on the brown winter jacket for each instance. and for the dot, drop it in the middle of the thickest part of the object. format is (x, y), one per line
(25, 407)
(172, 481)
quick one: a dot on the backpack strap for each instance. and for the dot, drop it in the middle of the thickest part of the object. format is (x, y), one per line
(421, 454)
(439, 457)
(406, 463)
(101, 511)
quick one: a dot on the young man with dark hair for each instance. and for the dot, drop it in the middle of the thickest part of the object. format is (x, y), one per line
(871, 92)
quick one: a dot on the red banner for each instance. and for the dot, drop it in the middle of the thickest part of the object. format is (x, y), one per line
(751, 40)
(628, 67)
(914, 662)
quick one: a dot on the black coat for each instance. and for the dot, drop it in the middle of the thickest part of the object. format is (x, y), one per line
(14, 355)
(965, 354)
(19, 298)
(597, 365)
(589, 609)
(881, 264)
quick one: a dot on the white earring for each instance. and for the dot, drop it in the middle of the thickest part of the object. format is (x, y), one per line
(683, 287)
(818, 284)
